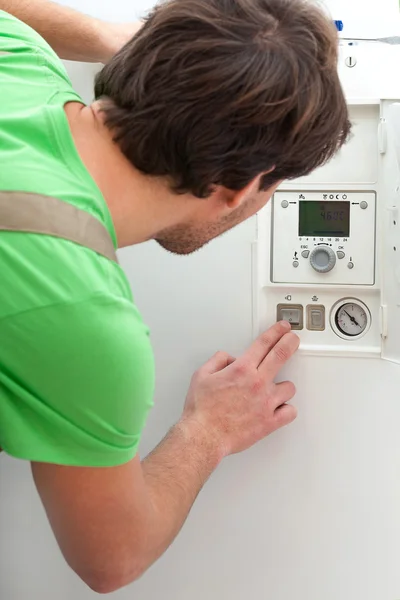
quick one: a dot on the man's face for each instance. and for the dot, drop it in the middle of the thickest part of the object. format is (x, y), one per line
(195, 233)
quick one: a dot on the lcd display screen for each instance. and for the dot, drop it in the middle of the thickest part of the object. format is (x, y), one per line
(324, 219)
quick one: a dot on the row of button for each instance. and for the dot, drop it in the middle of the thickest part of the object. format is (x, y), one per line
(296, 264)
(339, 254)
(363, 204)
(294, 314)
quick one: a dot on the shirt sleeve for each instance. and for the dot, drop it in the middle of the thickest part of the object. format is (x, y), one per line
(25, 43)
(76, 383)
(18, 35)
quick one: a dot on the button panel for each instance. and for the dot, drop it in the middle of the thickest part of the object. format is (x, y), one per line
(318, 234)
(315, 317)
(292, 313)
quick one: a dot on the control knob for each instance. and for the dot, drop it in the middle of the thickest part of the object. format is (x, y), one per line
(322, 259)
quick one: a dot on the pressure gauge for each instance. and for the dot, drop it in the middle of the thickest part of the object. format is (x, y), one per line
(350, 319)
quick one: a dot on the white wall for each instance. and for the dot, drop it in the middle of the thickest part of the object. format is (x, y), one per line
(312, 513)
(367, 18)
(361, 17)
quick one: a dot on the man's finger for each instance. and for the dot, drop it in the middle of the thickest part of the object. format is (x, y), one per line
(281, 352)
(264, 343)
(284, 392)
(284, 415)
(218, 362)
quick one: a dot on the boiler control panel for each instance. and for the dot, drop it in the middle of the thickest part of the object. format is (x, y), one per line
(323, 238)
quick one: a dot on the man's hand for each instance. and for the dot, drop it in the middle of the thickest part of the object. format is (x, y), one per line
(113, 523)
(237, 401)
(115, 36)
(71, 34)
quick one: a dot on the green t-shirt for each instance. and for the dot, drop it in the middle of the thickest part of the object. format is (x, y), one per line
(76, 365)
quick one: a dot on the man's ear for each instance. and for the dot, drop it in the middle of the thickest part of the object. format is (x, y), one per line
(235, 198)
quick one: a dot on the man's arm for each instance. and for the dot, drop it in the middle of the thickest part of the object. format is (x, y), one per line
(113, 523)
(71, 34)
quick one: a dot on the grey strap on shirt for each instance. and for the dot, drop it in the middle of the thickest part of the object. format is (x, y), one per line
(36, 213)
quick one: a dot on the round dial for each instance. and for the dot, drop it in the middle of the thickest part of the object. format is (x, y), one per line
(322, 259)
(352, 319)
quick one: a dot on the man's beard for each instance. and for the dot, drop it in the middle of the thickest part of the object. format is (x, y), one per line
(190, 237)
(186, 239)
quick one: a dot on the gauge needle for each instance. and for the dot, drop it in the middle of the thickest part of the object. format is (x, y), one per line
(352, 319)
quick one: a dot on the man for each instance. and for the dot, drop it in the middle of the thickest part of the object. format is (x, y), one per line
(197, 120)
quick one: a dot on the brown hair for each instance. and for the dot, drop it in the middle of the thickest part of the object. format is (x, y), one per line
(216, 92)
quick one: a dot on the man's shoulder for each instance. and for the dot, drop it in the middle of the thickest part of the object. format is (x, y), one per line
(15, 34)
(19, 42)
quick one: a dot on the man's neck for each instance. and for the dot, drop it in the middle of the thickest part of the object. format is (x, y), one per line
(140, 206)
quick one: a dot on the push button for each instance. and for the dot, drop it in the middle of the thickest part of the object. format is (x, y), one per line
(292, 313)
(305, 253)
(340, 255)
(315, 317)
